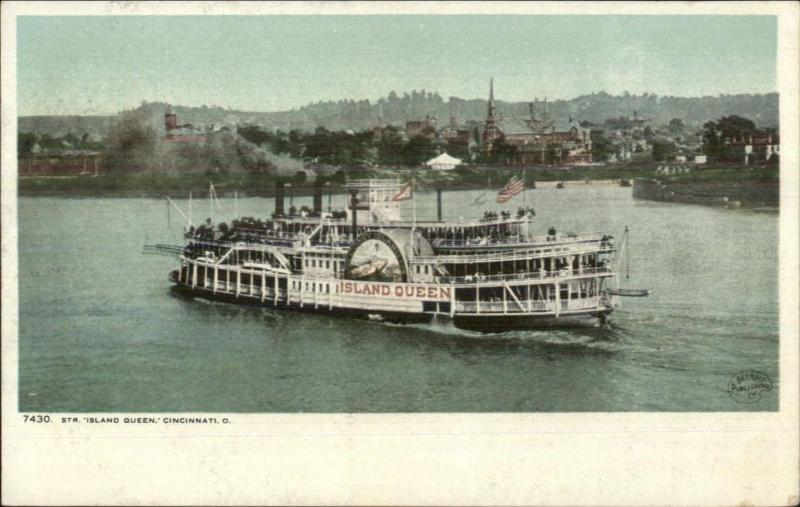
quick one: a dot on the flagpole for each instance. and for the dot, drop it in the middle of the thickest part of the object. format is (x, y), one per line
(413, 217)
(413, 203)
(524, 186)
(525, 198)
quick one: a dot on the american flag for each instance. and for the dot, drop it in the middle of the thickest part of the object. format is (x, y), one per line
(405, 193)
(512, 188)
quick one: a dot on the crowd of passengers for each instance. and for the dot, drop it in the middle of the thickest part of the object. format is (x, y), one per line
(242, 229)
(491, 216)
(558, 266)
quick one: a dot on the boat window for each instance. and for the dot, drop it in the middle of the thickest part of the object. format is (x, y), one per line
(426, 270)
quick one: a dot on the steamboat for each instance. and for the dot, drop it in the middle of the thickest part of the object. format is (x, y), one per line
(488, 274)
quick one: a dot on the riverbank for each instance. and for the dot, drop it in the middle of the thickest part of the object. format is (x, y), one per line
(263, 185)
(746, 188)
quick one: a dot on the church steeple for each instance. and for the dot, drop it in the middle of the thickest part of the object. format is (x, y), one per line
(492, 109)
(490, 132)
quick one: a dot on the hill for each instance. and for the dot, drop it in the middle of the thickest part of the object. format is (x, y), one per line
(397, 109)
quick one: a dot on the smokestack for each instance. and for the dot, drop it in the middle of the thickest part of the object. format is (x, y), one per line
(353, 206)
(438, 204)
(279, 192)
(317, 197)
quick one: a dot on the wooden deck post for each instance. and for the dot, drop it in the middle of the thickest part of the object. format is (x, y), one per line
(558, 298)
(530, 302)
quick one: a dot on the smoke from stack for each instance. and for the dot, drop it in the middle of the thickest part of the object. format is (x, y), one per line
(279, 193)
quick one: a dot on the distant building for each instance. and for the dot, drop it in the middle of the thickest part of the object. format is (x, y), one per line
(443, 162)
(753, 149)
(461, 143)
(186, 133)
(425, 128)
(537, 140)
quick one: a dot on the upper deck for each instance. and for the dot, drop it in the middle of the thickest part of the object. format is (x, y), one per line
(448, 246)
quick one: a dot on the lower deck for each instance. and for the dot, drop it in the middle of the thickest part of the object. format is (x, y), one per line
(553, 297)
(487, 323)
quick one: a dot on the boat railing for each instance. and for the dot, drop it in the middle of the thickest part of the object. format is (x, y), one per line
(527, 275)
(511, 255)
(580, 304)
(477, 242)
(528, 306)
(518, 240)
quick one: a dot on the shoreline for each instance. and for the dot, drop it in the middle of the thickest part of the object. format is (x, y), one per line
(731, 195)
(152, 185)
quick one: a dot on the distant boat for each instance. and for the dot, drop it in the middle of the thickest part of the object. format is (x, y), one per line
(560, 184)
(624, 183)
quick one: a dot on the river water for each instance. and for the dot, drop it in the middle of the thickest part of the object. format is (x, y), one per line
(100, 330)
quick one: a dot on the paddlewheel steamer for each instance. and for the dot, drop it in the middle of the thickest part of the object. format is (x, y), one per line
(488, 274)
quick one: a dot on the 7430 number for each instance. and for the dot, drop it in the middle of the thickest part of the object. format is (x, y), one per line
(36, 418)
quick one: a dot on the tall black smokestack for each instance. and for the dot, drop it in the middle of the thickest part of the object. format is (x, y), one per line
(438, 204)
(353, 205)
(279, 192)
(317, 197)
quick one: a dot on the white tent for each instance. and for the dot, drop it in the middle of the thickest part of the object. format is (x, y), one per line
(443, 162)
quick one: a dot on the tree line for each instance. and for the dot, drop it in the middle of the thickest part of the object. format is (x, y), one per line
(345, 148)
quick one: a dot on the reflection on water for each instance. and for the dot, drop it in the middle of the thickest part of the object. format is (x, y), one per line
(101, 330)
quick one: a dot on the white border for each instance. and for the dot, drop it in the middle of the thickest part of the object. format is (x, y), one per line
(485, 459)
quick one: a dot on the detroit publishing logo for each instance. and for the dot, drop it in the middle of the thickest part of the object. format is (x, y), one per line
(747, 386)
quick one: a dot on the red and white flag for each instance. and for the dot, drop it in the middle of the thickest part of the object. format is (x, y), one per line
(512, 188)
(405, 193)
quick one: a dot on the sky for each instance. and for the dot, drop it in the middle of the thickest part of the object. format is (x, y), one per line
(104, 64)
